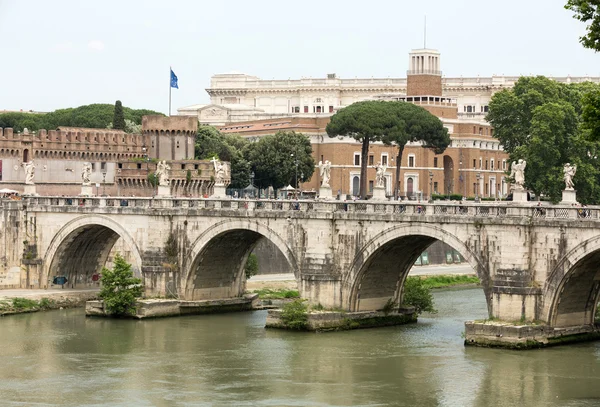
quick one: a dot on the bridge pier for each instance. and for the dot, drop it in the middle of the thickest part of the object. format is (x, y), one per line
(321, 289)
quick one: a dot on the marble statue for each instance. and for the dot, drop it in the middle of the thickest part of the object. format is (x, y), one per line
(380, 175)
(568, 174)
(220, 171)
(518, 174)
(162, 175)
(29, 172)
(86, 173)
(325, 172)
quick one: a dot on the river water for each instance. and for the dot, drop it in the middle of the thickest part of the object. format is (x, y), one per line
(61, 358)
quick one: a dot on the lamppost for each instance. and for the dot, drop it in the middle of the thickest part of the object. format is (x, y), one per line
(104, 181)
(252, 184)
(301, 178)
(430, 187)
(296, 162)
(477, 177)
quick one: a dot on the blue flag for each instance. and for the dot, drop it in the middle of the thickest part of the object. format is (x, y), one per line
(174, 80)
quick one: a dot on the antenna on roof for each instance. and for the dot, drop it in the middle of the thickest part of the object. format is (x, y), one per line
(425, 33)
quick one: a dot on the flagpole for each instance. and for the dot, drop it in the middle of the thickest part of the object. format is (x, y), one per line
(170, 90)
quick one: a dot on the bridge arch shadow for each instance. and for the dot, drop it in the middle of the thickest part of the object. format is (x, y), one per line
(572, 289)
(381, 267)
(215, 266)
(81, 248)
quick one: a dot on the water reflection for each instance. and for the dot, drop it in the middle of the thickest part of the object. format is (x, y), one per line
(62, 358)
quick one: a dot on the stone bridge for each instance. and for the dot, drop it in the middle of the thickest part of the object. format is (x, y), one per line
(535, 263)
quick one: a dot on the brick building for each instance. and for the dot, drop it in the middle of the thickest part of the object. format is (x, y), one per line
(473, 164)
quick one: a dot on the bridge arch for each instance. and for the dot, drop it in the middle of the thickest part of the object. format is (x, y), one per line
(81, 247)
(380, 268)
(214, 267)
(572, 290)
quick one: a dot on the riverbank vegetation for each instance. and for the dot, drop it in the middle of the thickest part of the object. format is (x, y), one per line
(18, 305)
(276, 293)
(444, 281)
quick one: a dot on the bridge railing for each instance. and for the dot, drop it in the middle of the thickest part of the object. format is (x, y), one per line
(401, 208)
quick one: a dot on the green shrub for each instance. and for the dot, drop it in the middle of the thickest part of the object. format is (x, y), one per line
(251, 266)
(279, 293)
(46, 303)
(418, 295)
(295, 314)
(389, 306)
(24, 303)
(119, 288)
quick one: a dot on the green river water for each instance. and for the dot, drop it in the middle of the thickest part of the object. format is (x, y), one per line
(61, 358)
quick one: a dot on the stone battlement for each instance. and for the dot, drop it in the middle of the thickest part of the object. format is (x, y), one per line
(74, 135)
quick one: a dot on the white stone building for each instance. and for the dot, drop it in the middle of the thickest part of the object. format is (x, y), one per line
(237, 97)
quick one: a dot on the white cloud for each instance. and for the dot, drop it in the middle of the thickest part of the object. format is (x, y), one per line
(96, 45)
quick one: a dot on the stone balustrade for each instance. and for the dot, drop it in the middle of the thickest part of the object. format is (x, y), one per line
(439, 208)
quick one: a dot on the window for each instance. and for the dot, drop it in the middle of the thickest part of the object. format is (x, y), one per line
(384, 159)
(183, 166)
(474, 163)
(120, 165)
(435, 187)
(322, 158)
(296, 109)
(357, 159)
(481, 131)
(317, 109)
(435, 162)
(474, 130)
(305, 109)
(139, 166)
(195, 166)
(103, 166)
(371, 160)
(504, 164)
(371, 186)
(411, 160)
(330, 109)
(93, 166)
(492, 164)
(480, 163)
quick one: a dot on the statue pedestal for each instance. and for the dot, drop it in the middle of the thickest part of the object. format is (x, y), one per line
(519, 195)
(87, 190)
(219, 191)
(29, 190)
(325, 193)
(569, 196)
(379, 194)
(164, 191)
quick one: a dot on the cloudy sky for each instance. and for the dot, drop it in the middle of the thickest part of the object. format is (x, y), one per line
(59, 54)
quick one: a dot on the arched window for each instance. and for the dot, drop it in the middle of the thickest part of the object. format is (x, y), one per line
(355, 185)
(409, 186)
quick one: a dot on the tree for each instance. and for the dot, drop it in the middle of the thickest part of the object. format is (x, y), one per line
(210, 142)
(367, 122)
(97, 116)
(413, 123)
(119, 117)
(540, 120)
(273, 159)
(587, 11)
(417, 295)
(119, 288)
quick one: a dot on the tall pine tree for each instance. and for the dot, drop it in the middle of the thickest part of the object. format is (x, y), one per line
(119, 117)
